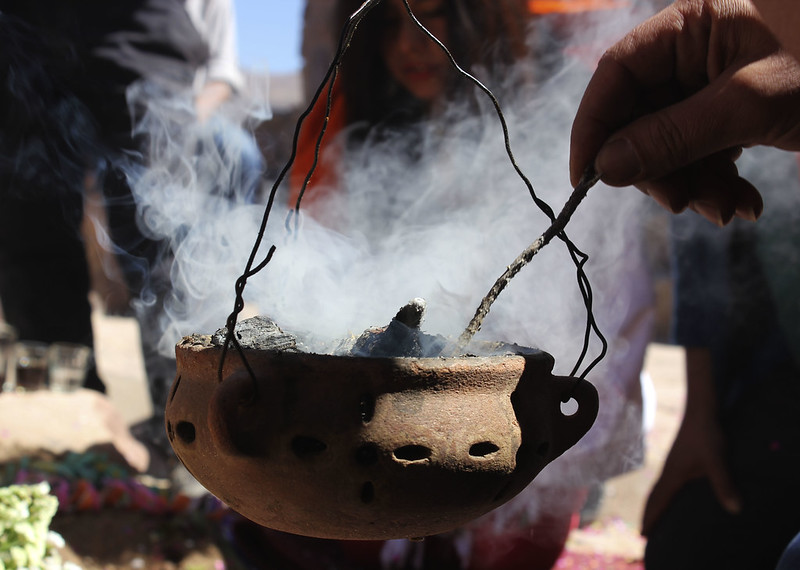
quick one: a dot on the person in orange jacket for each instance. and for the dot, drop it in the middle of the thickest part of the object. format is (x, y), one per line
(393, 75)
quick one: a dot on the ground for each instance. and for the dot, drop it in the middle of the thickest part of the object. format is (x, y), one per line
(114, 540)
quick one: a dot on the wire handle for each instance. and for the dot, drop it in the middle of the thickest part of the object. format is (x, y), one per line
(556, 228)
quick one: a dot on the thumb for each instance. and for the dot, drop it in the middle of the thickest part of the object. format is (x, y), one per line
(661, 495)
(723, 487)
(662, 142)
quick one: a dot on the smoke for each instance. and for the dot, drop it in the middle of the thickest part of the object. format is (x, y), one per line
(195, 193)
(437, 212)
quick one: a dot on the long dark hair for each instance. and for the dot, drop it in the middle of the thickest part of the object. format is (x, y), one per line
(489, 33)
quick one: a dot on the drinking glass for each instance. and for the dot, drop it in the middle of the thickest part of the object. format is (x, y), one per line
(8, 336)
(30, 369)
(67, 365)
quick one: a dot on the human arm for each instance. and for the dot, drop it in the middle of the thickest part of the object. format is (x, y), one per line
(671, 105)
(221, 77)
(210, 97)
(698, 449)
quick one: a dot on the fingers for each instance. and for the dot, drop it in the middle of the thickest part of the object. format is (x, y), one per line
(606, 105)
(711, 187)
(720, 193)
(660, 497)
(678, 89)
(637, 75)
(669, 484)
(723, 487)
(668, 140)
(634, 132)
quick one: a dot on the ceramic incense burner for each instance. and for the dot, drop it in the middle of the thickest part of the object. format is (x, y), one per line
(352, 447)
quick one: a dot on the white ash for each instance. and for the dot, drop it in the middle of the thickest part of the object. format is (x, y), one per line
(258, 333)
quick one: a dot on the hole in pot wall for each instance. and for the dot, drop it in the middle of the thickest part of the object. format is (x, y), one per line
(483, 449)
(412, 453)
(185, 431)
(367, 492)
(570, 407)
(304, 446)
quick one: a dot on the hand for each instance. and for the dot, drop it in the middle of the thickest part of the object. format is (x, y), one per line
(697, 452)
(670, 107)
(783, 19)
(698, 449)
(210, 98)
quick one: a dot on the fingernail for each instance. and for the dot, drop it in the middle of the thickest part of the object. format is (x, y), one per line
(660, 199)
(750, 213)
(732, 505)
(747, 214)
(618, 162)
(668, 201)
(709, 211)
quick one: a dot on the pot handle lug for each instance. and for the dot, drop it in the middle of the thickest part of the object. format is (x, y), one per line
(569, 429)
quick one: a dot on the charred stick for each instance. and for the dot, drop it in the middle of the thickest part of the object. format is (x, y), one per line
(589, 179)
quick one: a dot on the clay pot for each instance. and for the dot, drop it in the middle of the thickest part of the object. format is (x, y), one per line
(369, 448)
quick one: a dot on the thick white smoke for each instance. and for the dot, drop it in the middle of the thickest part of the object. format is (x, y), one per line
(438, 215)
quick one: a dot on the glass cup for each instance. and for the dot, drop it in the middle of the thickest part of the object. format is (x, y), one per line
(30, 366)
(8, 336)
(67, 365)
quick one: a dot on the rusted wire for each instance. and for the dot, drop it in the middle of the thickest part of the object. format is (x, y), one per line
(556, 228)
(579, 258)
(333, 71)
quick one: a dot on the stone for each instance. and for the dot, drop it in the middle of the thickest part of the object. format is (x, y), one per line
(50, 424)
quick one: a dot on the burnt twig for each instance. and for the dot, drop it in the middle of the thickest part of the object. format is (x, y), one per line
(589, 179)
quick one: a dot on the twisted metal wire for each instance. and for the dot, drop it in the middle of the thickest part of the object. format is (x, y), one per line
(330, 76)
(556, 228)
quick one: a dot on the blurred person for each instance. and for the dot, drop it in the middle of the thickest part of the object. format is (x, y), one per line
(216, 85)
(319, 42)
(219, 78)
(66, 67)
(397, 93)
(80, 77)
(694, 115)
(393, 77)
(727, 493)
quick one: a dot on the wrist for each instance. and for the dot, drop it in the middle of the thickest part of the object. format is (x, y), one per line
(701, 397)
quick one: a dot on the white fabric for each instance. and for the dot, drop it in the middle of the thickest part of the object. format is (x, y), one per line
(215, 20)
